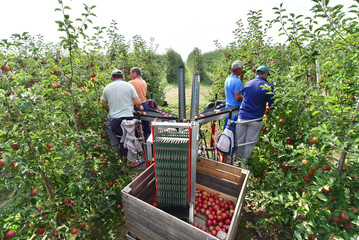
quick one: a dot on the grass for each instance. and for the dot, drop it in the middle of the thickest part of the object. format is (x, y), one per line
(171, 97)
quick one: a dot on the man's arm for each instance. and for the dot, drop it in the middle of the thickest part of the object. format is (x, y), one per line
(137, 102)
(237, 96)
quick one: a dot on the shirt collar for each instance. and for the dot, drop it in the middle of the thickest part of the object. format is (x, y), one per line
(261, 77)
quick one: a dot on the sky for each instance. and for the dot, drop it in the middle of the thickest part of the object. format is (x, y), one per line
(180, 25)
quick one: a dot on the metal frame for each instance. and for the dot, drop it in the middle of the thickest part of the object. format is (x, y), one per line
(193, 141)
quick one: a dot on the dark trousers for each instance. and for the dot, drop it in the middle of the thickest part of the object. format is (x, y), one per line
(117, 129)
(146, 124)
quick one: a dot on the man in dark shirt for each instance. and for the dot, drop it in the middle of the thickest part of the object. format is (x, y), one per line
(256, 94)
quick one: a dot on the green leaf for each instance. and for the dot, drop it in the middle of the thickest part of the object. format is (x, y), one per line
(322, 197)
(58, 9)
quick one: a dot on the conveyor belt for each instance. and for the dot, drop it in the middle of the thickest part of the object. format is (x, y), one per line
(216, 113)
(153, 113)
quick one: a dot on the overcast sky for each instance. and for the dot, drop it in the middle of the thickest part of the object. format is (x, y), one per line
(180, 25)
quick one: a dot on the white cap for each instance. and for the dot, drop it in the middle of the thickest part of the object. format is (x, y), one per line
(236, 65)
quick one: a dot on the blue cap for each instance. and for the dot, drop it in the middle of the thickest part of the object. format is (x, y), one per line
(262, 70)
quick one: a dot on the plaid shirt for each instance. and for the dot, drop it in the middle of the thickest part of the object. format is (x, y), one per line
(111, 135)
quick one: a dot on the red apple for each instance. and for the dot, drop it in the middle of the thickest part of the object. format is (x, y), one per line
(227, 221)
(312, 236)
(328, 167)
(83, 224)
(313, 140)
(281, 121)
(40, 231)
(336, 219)
(215, 222)
(354, 209)
(74, 231)
(311, 172)
(15, 147)
(9, 234)
(346, 226)
(204, 228)
(5, 68)
(33, 192)
(306, 178)
(39, 209)
(344, 216)
(195, 224)
(2, 162)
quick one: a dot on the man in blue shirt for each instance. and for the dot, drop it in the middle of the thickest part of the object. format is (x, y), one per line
(256, 94)
(233, 88)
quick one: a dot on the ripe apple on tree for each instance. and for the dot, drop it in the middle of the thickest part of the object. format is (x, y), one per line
(9, 234)
(33, 192)
(313, 140)
(305, 162)
(74, 231)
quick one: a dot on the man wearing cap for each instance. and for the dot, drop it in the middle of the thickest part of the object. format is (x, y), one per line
(256, 94)
(233, 88)
(141, 89)
(118, 97)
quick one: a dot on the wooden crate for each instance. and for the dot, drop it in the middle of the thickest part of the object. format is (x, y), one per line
(146, 222)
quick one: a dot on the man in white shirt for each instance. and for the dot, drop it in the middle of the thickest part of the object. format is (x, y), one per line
(119, 97)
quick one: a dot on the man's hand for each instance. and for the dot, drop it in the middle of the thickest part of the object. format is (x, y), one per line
(141, 108)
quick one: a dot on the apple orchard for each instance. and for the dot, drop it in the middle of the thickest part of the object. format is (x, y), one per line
(60, 178)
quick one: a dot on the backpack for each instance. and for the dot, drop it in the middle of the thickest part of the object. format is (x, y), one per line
(226, 143)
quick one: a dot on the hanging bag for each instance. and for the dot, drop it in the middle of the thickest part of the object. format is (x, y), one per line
(226, 143)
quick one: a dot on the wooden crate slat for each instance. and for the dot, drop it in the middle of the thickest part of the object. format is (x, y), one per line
(147, 194)
(137, 231)
(145, 222)
(220, 194)
(226, 167)
(217, 183)
(159, 222)
(218, 172)
(136, 190)
(142, 176)
(237, 211)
